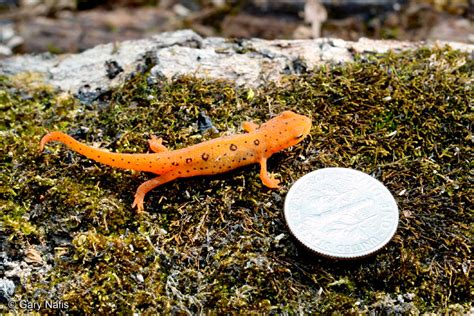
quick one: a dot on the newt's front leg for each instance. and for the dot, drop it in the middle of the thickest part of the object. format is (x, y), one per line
(149, 185)
(267, 180)
(249, 126)
(156, 144)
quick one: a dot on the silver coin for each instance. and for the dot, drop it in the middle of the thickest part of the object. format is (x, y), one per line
(341, 213)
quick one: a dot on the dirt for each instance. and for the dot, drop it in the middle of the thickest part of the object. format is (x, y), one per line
(72, 28)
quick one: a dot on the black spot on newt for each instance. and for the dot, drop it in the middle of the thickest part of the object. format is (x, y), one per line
(256, 142)
(233, 147)
(205, 156)
(189, 160)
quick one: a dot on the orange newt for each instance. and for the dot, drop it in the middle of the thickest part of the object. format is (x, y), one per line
(207, 158)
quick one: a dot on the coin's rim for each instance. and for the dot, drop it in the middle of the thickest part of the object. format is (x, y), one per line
(348, 257)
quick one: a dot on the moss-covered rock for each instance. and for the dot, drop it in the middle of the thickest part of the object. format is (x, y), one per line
(220, 243)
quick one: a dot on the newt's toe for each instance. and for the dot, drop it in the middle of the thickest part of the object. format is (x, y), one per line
(138, 203)
(272, 183)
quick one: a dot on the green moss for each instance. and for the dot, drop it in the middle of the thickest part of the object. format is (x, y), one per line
(210, 242)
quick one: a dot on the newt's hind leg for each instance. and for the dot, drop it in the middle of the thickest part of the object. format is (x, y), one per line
(156, 144)
(249, 126)
(149, 185)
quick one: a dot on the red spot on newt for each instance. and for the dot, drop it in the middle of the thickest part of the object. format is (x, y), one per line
(210, 157)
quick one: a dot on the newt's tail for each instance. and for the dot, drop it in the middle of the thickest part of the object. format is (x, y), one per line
(140, 162)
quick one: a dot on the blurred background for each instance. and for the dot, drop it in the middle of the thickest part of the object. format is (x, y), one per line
(69, 26)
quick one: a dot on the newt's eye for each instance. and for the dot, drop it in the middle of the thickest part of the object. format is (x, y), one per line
(299, 136)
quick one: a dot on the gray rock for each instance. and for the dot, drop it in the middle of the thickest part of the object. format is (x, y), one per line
(250, 63)
(7, 288)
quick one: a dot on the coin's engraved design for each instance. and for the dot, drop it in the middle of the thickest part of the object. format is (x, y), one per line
(341, 212)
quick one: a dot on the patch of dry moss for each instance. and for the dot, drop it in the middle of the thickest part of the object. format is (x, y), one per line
(220, 242)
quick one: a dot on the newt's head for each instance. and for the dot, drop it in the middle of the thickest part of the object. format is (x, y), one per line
(287, 129)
